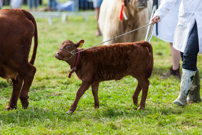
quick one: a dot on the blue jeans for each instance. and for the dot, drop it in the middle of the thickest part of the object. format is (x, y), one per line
(52, 4)
(97, 3)
(32, 3)
(189, 57)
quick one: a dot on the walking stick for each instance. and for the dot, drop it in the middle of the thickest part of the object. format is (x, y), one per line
(150, 27)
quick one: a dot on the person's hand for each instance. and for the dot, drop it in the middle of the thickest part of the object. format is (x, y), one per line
(155, 19)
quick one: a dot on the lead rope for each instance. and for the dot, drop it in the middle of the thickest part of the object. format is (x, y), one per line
(111, 39)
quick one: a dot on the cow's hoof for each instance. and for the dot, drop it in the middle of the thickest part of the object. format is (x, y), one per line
(24, 102)
(69, 112)
(25, 105)
(10, 108)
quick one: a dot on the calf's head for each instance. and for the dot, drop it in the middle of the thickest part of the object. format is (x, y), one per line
(67, 50)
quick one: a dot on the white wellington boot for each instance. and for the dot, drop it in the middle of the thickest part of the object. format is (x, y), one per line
(186, 83)
(194, 93)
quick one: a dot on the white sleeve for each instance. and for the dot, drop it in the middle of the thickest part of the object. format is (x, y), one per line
(164, 7)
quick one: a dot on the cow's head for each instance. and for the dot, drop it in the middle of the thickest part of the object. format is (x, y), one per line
(132, 7)
(67, 50)
(141, 4)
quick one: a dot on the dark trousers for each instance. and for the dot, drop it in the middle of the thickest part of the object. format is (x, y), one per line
(189, 57)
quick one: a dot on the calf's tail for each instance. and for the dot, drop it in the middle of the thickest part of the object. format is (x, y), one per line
(150, 61)
(30, 17)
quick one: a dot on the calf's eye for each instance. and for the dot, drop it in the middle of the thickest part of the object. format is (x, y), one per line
(68, 47)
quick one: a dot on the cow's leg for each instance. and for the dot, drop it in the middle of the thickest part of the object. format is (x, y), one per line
(27, 72)
(145, 86)
(17, 84)
(95, 94)
(84, 86)
(136, 94)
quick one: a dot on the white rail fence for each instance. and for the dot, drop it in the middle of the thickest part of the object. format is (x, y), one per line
(62, 15)
(69, 8)
(63, 9)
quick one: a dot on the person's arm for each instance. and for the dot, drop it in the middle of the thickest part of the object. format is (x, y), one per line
(163, 9)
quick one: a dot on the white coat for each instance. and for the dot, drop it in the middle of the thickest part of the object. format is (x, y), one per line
(190, 11)
(166, 27)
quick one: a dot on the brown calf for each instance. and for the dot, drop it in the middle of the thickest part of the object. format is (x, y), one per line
(111, 62)
(17, 27)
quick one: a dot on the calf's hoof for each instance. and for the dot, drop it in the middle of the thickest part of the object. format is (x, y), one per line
(140, 108)
(135, 103)
(69, 112)
(96, 107)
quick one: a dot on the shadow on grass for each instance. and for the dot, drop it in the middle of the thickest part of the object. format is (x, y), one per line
(115, 112)
(160, 70)
(35, 115)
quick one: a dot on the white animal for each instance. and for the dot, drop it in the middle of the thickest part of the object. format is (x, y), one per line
(111, 25)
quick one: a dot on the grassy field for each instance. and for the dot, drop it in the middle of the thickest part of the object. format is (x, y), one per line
(52, 93)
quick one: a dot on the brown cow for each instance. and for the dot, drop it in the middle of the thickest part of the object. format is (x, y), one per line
(17, 27)
(111, 26)
(112, 62)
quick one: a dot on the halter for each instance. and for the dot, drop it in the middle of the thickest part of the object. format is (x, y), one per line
(77, 59)
(72, 52)
(75, 66)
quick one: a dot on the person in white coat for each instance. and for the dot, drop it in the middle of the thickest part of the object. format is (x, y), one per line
(165, 31)
(188, 40)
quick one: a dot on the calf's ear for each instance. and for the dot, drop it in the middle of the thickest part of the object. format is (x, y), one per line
(80, 43)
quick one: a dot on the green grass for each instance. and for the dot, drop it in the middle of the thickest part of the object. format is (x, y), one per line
(52, 93)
